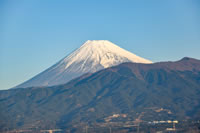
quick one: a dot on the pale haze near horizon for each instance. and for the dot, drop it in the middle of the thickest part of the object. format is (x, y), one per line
(36, 34)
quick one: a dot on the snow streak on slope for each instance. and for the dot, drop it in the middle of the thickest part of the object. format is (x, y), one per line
(90, 57)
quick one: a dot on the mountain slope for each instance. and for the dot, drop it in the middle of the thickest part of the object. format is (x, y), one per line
(159, 91)
(92, 56)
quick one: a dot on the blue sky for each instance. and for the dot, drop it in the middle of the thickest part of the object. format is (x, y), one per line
(35, 34)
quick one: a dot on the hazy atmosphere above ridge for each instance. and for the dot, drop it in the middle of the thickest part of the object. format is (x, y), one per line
(34, 37)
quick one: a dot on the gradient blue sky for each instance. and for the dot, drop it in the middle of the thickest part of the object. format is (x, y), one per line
(35, 34)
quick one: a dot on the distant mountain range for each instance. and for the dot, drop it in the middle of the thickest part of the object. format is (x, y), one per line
(92, 56)
(158, 91)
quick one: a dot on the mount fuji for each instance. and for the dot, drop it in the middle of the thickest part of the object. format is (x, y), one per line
(92, 56)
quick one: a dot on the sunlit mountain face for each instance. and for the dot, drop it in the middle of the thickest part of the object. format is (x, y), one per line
(92, 56)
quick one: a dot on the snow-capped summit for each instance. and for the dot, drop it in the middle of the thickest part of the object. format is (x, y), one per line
(92, 56)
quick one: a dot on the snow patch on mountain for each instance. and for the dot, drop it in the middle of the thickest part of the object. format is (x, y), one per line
(92, 56)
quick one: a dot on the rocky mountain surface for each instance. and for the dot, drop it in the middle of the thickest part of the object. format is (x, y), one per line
(158, 91)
